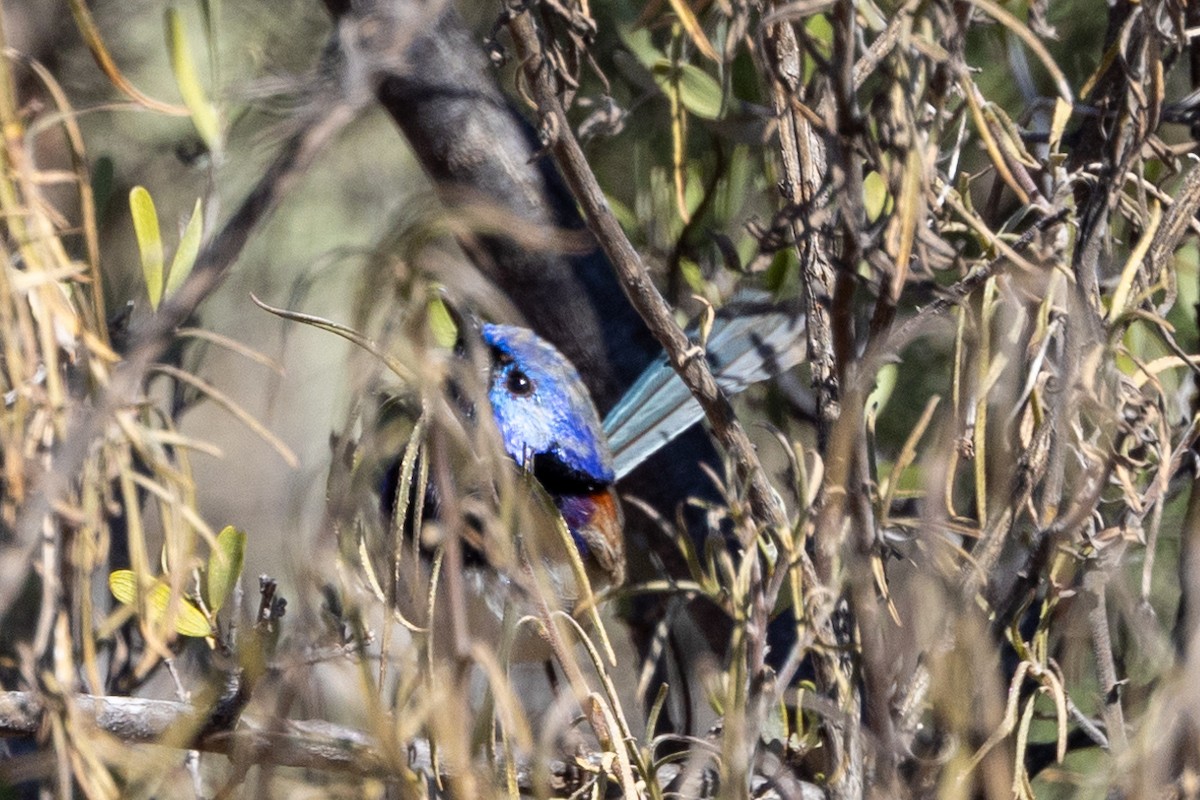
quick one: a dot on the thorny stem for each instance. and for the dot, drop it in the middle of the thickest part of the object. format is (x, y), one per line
(804, 165)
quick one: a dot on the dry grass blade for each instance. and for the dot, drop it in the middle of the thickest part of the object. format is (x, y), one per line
(893, 628)
(233, 346)
(400, 370)
(695, 32)
(1022, 32)
(95, 42)
(226, 402)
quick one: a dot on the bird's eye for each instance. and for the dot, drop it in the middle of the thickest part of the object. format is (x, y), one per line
(519, 384)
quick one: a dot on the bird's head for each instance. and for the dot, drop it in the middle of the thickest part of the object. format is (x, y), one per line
(545, 416)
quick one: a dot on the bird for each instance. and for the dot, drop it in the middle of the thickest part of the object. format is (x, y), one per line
(549, 426)
(550, 430)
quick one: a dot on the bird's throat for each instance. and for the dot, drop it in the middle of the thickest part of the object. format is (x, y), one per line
(596, 525)
(560, 478)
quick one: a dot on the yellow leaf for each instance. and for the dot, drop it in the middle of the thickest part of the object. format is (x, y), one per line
(225, 566)
(185, 254)
(123, 584)
(441, 323)
(149, 241)
(204, 115)
(189, 620)
(1058, 124)
(885, 383)
(875, 195)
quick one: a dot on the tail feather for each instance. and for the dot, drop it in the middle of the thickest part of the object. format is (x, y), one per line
(751, 340)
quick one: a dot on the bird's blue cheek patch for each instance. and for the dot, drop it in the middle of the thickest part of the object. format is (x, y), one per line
(579, 448)
(522, 424)
(531, 430)
(552, 416)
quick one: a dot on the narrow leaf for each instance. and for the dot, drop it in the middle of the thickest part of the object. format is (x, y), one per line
(875, 195)
(189, 248)
(910, 196)
(204, 115)
(641, 44)
(699, 92)
(441, 323)
(1120, 295)
(885, 383)
(225, 566)
(145, 228)
(1058, 124)
(185, 254)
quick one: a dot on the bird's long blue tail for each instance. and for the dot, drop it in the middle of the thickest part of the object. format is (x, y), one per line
(751, 340)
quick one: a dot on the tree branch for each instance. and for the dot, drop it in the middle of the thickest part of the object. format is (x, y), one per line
(635, 280)
(310, 744)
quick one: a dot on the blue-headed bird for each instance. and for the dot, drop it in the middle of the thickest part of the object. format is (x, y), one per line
(549, 426)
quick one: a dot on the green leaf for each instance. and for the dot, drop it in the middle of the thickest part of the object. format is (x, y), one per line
(699, 92)
(211, 11)
(625, 216)
(782, 272)
(185, 254)
(885, 383)
(189, 621)
(818, 34)
(225, 566)
(819, 28)
(441, 323)
(875, 195)
(775, 726)
(204, 114)
(641, 44)
(149, 240)
(693, 276)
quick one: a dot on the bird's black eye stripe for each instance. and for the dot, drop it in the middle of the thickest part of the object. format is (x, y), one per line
(500, 358)
(518, 383)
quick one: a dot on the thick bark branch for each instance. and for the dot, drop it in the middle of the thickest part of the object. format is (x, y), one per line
(312, 744)
(293, 743)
